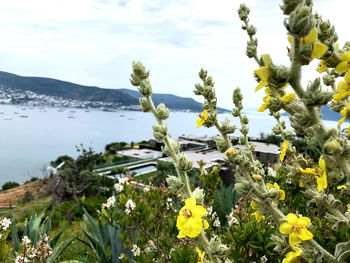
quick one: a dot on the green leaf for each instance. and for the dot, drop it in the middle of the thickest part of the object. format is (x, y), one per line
(15, 238)
(342, 252)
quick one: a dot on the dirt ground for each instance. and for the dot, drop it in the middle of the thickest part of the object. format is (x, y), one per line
(12, 196)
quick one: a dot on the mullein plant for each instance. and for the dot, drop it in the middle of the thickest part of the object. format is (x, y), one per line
(311, 38)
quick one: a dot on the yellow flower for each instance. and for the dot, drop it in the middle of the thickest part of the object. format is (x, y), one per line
(292, 256)
(296, 229)
(266, 100)
(282, 195)
(203, 116)
(308, 171)
(288, 98)
(323, 66)
(284, 147)
(200, 255)
(264, 72)
(345, 64)
(257, 215)
(189, 221)
(318, 49)
(343, 89)
(301, 183)
(345, 112)
(320, 174)
(341, 187)
(230, 152)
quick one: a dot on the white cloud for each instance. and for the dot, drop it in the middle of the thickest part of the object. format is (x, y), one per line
(94, 42)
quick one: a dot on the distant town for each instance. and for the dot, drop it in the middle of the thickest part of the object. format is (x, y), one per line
(12, 96)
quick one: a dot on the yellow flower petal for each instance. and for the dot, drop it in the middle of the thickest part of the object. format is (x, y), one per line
(304, 221)
(263, 73)
(190, 202)
(253, 205)
(286, 228)
(283, 150)
(294, 239)
(292, 219)
(308, 171)
(261, 85)
(282, 195)
(305, 234)
(206, 224)
(198, 211)
(346, 56)
(263, 107)
(323, 67)
(193, 227)
(341, 187)
(342, 67)
(318, 50)
(181, 234)
(311, 37)
(290, 39)
(199, 123)
(266, 58)
(322, 163)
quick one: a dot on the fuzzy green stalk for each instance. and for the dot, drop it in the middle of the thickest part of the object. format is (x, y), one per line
(183, 175)
(295, 69)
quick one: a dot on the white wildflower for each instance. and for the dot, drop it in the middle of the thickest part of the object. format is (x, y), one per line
(217, 222)
(110, 202)
(5, 224)
(231, 219)
(150, 247)
(289, 181)
(209, 210)
(124, 180)
(264, 259)
(26, 240)
(271, 172)
(136, 251)
(130, 205)
(118, 188)
(168, 203)
(213, 216)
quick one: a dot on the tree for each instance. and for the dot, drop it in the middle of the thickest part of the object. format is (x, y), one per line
(75, 176)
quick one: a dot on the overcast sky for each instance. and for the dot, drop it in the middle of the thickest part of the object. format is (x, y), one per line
(93, 42)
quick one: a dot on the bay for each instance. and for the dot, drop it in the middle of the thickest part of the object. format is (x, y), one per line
(28, 144)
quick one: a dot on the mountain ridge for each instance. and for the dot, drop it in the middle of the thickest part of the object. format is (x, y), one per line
(70, 90)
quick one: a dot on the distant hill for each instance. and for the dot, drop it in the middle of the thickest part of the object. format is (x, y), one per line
(64, 89)
(327, 114)
(68, 90)
(172, 101)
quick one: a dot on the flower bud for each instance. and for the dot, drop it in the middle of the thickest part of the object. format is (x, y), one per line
(251, 31)
(328, 80)
(230, 152)
(184, 164)
(335, 176)
(174, 184)
(257, 177)
(220, 144)
(203, 74)
(173, 147)
(144, 105)
(300, 21)
(145, 88)
(139, 73)
(243, 12)
(287, 135)
(332, 147)
(199, 195)
(226, 128)
(160, 132)
(273, 193)
(162, 112)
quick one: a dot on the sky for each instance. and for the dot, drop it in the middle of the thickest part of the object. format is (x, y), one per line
(93, 42)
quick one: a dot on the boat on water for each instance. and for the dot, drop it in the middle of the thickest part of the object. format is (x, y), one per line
(122, 115)
(72, 111)
(87, 111)
(7, 118)
(2, 112)
(23, 116)
(131, 119)
(16, 112)
(71, 117)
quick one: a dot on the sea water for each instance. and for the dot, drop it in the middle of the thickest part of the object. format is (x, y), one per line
(32, 137)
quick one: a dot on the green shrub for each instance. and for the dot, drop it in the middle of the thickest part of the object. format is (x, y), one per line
(9, 185)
